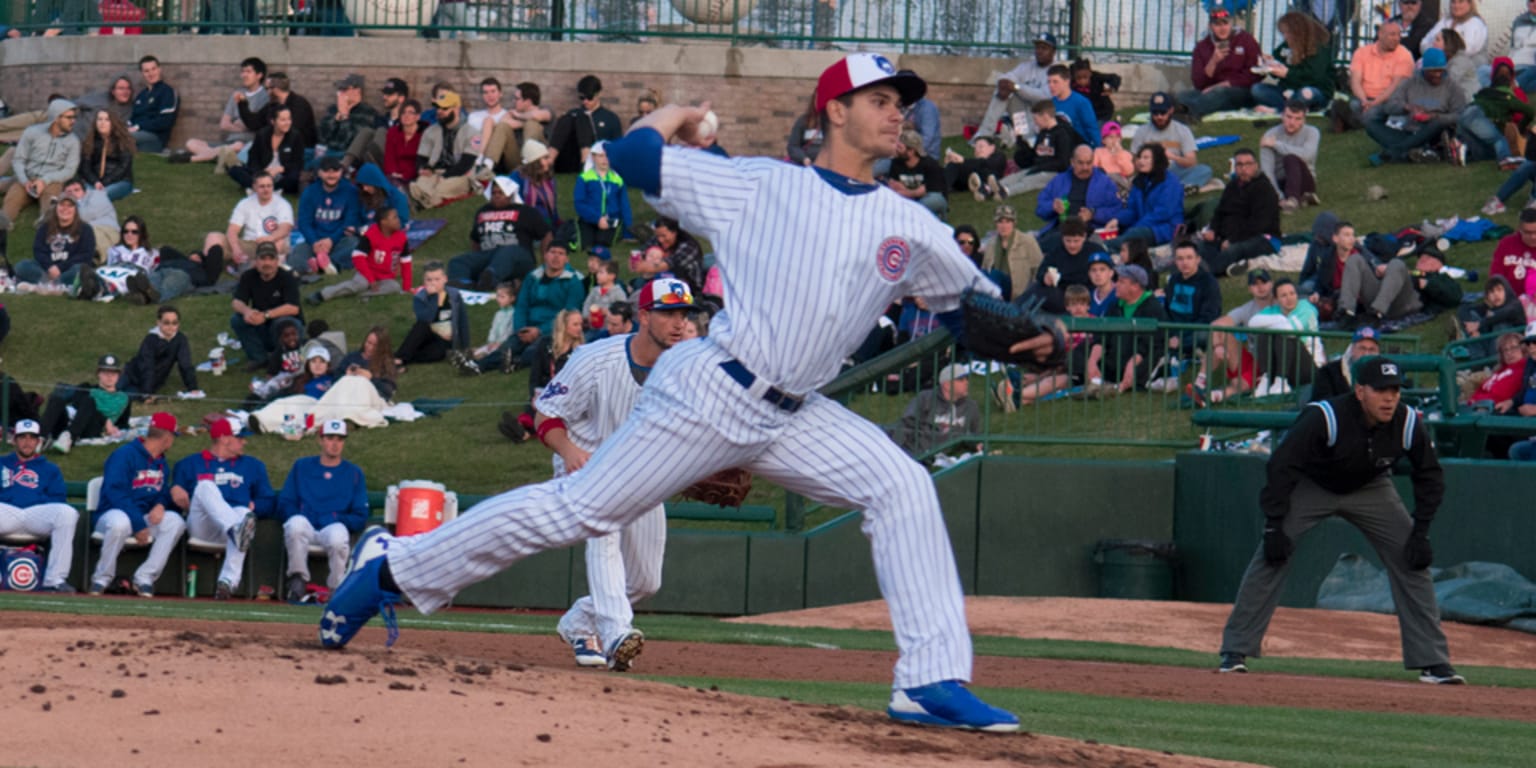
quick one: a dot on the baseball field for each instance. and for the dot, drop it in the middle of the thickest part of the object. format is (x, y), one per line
(130, 682)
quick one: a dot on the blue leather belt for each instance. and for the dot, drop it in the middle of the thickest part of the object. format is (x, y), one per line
(746, 379)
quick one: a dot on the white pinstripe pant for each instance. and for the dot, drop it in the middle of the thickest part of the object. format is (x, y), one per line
(622, 569)
(692, 420)
(56, 521)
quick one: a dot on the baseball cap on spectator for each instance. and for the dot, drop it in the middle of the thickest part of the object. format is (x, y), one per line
(334, 427)
(949, 373)
(227, 428)
(1259, 276)
(1100, 257)
(665, 293)
(589, 86)
(1132, 272)
(319, 351)
(1434, 58)
(109, 362)
(1005, 212)
(352, 80)
(266, 249)
(533, 149)
(1366, 332)
(162, 420)
(396, 85)
(1378, 372)
(449, 100)
(602, 252)
(329, 163)
(1108, 128)
(1219, 12)
(1045, 38)
(861, 70)
(28, 427)
(1161, 103)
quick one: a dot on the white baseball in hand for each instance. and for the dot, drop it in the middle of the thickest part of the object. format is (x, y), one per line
(708, 126)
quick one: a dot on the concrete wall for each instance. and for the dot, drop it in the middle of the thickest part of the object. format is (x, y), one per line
(757, 91)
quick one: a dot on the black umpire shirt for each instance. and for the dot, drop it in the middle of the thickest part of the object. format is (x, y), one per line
(1359, 455)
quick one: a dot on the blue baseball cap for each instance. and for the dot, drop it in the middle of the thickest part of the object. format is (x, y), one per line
(1366, 333)
(1101, 258)
(1045, 38)
(602, 252)
(1433, 58)
(1161, 103)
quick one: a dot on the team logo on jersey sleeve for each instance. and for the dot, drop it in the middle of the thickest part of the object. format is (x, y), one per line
(893, 256)
(555, 389)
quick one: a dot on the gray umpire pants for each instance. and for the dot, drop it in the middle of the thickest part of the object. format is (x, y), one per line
(1379, 513)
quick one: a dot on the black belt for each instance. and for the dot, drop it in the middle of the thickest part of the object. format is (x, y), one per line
(774, 395)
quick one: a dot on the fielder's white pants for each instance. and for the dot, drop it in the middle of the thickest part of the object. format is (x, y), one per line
(210, 519)
(116, 530)
(299, 533)
(622, 569)
(690, 421)
(57, 522)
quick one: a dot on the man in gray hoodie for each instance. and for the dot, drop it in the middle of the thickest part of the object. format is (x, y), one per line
(47, 156)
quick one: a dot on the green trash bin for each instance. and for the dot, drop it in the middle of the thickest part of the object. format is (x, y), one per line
(1135, 569)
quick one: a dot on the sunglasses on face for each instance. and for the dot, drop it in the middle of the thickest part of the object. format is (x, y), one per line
(965, 241)
(130, 231)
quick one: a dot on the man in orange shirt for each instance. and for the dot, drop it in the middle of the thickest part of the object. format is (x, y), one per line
(1374, 71)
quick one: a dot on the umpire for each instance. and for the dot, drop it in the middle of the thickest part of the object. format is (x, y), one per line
(1337, 459)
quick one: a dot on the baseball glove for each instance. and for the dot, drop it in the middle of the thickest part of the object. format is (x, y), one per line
(726, 488)
(993, 326)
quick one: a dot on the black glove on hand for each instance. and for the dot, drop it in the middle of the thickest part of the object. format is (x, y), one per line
(1277, 546)
(1420, 555)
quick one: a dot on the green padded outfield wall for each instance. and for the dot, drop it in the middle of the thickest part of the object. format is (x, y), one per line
(1487, 515)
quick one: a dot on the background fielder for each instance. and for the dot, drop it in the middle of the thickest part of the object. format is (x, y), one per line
(586, 401)
(745, 396)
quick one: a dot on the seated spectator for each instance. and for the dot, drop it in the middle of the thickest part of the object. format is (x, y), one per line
(264, 295)
(1227, 351)
(1416, 115)
(163, 348)
(805, 137)
(1038, 164)
(87, 410)
(1016, 91)
(276, 150)
(1113, 158)
(1288, 158)
(645, 104)
(524, 122)
(262, 218)
(236, 134)
(1155, 206)
(975, 173)
(645, 263)
(317, 395)
(1302, 64)
(280, 95)
(285, 365)
(1083, 191)
(505, 233)
(324, 501)
(969, 241)
(32, 501)
(1514, 256)
(578, 129)
(1375, 70)
(166, 276)
(1193, 296)
(1128, 357)
(600, 297)
(1337, 376)
(382, 261)
(1369, 292)
(1498, 392)
(345, 121)
(602, 201)
(1222, 69)
(446, 158)
(1284, 361)
(936, 416)
(374, 360)
(95, 208)
(1416, 21)
(536, 181)
(1525, 401)
(442, 323)
(136, 503)
(1072, 107)
(1437, 290)
(1246, 217)
(923, 116)
(545, 293)
(1499, 310)
(1524, 174)
(1333, 242)
(115, 100)
(106, 161)
(47, 156)
(375, 192)
(1064, 265)
(402, 142)
(1468, 24)
(501, 322)
(1031, 387)
(1097, 87)
(553, 350)
(1010, 257)
(330, 216)
(1178, 143)
(154, 109)
(1496, 112)
(684, 256)
(913, 175)
(1134, 250)
(1460, 66)
(63, 245)
(223, 491)
(1101, 285)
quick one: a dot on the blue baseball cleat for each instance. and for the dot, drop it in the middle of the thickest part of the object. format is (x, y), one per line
(359, 597)
(949, 704)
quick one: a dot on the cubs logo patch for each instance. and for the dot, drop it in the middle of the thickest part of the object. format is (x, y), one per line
(555, 389)
(269, 224)
(892, 258)
(21, 572)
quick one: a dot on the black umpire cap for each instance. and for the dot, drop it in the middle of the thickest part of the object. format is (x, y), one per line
(1378, 372)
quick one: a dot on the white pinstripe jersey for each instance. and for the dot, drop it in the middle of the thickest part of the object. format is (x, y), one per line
(807, 267)
(593, 394)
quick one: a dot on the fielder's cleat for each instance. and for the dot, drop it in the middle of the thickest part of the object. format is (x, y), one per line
(61, 588)
(1233, 662)
(1441, 674)
(359, 597)
(241, 533)
(949, 704)
(622, 652)
(223, 591)
(587, 653)
(144, 590)
(98, 588)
